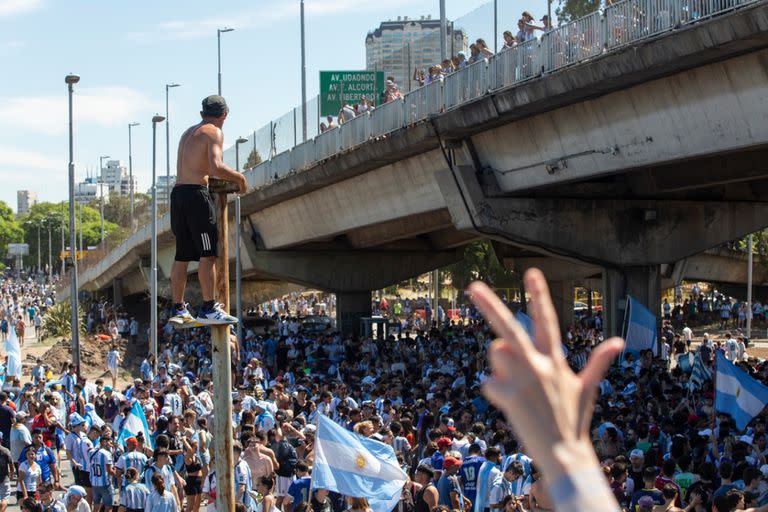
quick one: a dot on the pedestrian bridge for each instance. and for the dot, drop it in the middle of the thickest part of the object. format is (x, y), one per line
(627, 140)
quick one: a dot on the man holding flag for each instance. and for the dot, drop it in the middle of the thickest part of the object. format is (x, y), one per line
(356, 466)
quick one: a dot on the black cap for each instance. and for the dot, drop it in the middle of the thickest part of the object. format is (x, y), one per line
(215, 106)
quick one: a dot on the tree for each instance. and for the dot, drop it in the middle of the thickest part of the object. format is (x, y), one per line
(569, 10)
(254, 159)
(479, 263)
(118, 209)
(10, 230)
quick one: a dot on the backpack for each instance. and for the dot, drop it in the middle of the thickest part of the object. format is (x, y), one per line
(287, 458)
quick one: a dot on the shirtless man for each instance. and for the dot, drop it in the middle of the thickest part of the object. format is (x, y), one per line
(193, 216)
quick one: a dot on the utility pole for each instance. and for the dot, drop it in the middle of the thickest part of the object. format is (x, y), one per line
(749, 287)
(303, 79)
(443, 30)
(222, 358)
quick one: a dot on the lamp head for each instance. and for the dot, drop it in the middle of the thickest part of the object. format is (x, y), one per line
(157, 118)
(71, 79)
(105, 156)
(168, 86)
(133, 124)
(225, 29)
(241, 140)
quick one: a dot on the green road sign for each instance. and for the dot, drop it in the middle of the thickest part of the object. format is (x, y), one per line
(350, 86)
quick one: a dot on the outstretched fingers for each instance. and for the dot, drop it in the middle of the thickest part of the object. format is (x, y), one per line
(546, 327)
(599, 361)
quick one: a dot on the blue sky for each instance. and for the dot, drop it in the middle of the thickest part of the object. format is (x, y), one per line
(125, 53)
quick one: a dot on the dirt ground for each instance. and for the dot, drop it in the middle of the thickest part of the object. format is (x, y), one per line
(93, 357)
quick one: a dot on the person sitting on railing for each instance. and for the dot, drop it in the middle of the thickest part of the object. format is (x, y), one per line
(509, 40)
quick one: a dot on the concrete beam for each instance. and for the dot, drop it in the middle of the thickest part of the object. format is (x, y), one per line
(405, 227)
(349, 270)
(606, 232)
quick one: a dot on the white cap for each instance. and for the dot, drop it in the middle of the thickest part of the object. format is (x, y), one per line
(636, 454)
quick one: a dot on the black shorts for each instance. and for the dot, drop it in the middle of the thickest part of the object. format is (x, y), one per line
(194, 485)
(193, 222)
(84, 478)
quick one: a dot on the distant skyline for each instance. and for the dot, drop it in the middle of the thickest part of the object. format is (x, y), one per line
(126, 53)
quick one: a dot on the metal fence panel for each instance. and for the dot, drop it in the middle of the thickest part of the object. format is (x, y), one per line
(514, 65)
(303, 155)
(424, 101)
(466, 84)
(356, 131)
(571, 43)
(281, 165)
(327, 144)
(387, 118)
(632, 20)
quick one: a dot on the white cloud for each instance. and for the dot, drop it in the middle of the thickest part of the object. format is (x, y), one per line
(263, 17)
(12, 158)
(47, 115)
(13, 7)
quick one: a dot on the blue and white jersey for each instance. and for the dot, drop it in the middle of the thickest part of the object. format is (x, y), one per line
(243, 478)
(134, 496)
(469, 471)
(173, 400)
(84, 453)
(128, 460)
(485, 478)
(72, 445)
(518, 457)
(166, 471)
(101, 460)
(164, 503)
(146, 370)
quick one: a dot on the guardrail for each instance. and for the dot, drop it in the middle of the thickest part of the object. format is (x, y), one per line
(579, 41)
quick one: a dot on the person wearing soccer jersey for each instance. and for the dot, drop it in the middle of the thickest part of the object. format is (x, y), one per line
(161, 499)
(469, 471)
(243, 480)
(487, 474)
(131, 459)
(298, 491)
(45, 458)
(135, 494)
(102, 471)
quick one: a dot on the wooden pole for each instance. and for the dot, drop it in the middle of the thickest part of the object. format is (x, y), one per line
(222, 361)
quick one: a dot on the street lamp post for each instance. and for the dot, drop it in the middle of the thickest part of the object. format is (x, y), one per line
(303, 81)
(495, 26)
(443, 30)
(80, 214)
(38, 249)
(71, 80)
(130, 166)
(238, 265)
(168, 147)
(101, 195)
(220, 31)
(153, 300)
(49, 222)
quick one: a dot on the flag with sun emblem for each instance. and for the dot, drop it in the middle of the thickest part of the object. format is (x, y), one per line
(738, 394)
(356, 466)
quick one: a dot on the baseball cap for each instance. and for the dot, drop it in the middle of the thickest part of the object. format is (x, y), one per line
(636, 454)
(75, 419)
(77, 491)
(450, 462)
(132, 441)
(215, 105)
(444, 442)
(107, 389)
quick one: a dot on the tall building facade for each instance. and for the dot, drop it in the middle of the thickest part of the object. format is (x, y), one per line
(398, 47)
(24, 200)
(164, 187)
(115, 176)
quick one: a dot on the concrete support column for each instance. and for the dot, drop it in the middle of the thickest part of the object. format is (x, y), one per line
(117, 292)
(350, 308)
(562, 298)
(642, 283)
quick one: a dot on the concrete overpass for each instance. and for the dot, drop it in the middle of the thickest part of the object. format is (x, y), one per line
(621, 144)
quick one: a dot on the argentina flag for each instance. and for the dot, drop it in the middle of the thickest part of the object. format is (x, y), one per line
(356, 466)
(134, 423)
(738, 394)
(699, 374)
(640, 330)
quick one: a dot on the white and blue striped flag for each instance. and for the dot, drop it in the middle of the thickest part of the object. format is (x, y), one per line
(356, 466)
(738, 394)
(699, 374)
(640, 331)
(134, 423)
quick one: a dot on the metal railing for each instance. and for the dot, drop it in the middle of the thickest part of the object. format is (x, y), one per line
(579, 41)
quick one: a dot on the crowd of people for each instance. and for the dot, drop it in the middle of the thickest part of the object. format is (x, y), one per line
(659, 441)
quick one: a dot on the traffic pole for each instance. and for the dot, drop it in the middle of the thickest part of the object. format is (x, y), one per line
(222, 359)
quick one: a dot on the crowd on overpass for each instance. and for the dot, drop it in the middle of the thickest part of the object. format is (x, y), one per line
(659, 441)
